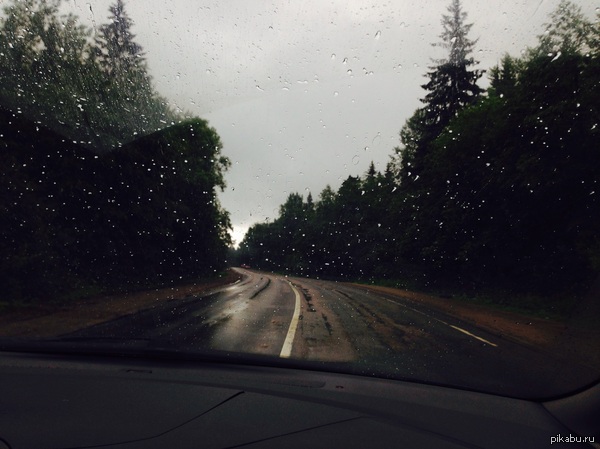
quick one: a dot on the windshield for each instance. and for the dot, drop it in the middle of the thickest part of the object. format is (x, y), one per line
(401, 189)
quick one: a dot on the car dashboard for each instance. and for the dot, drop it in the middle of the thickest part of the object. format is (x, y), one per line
(69, 400)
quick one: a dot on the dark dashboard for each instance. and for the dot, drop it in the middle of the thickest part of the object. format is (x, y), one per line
(79, 401)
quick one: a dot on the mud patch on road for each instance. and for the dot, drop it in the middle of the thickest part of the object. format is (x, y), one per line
(320, 336)
(327, 324)
(307, 297)
(396, 336)
(260, 287)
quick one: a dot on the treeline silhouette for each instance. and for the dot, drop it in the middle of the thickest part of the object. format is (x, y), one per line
(75, 222)
(91, 86)
(497, 190)
(102, 185)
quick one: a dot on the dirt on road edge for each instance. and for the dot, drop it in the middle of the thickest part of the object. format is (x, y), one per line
(525, 329)
(576, 340)
(51, 321)
(572, 342)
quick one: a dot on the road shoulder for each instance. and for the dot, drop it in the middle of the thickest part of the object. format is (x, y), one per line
(524, 329)
(50, 321)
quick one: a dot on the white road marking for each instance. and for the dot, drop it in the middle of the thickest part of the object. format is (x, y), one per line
(471, 335)
(447, 324)
(286, 350)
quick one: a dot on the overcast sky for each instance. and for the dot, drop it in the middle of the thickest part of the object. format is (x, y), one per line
(304, 93)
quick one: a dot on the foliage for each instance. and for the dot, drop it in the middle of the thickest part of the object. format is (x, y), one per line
(568, 32)
(96, 192)
(141, 215)
(339, 236)
(451, 87)
(503, 197)
(95, 92)
(506, 192)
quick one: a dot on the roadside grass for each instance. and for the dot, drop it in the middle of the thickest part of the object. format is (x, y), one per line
(4, 306)
(51, 318)
(558, 306)
(80, 293)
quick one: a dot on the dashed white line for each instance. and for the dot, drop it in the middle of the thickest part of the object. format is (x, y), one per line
(286, 350)
(471, 335)
(447, 324)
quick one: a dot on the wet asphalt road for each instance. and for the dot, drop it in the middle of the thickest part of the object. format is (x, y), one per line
(360, 330)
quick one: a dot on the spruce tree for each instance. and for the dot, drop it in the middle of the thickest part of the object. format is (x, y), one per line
(119, 53)
(452, 81)
(452, 86)
(133, 107)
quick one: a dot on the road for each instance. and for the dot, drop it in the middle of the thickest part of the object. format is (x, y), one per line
(360, 330)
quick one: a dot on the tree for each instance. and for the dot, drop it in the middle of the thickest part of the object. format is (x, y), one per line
(97, 93)
(594, 38)
(118, 53)
(144, 213)
(452, 85)
(132, 105)
(413, 135)
(504, 196)
(504, 78)
(326, 198)
(567, 32)
(44, 65)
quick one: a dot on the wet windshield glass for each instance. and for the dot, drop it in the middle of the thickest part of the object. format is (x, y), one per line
(397, 190)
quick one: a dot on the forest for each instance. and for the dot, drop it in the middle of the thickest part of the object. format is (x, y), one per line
(103, 186)
(490, 190)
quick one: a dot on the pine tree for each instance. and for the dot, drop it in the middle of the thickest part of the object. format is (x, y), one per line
(132, 105)
(452, 86)
(45, 66)
(119, 54)
(452, 83)
(568, 32)
(122, 61)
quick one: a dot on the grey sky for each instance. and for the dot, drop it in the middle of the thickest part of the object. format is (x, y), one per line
(305, 93)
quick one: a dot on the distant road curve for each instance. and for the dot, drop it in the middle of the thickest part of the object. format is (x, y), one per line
(359, 329)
